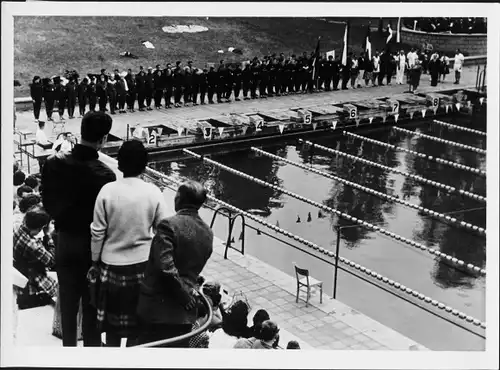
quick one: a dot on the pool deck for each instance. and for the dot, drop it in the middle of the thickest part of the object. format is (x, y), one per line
(25, 120)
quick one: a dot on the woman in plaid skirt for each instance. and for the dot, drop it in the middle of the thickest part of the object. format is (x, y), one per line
(125, 214)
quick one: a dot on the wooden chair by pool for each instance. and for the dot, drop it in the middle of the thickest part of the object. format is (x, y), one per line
(305, 281)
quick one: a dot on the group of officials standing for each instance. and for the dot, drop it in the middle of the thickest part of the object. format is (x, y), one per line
(180, 85)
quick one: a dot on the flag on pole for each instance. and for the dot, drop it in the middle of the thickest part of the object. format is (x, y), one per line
(389, 37)
(315, 61)
(368, 44)
(221, 130)
(344, 47)
(398, 31)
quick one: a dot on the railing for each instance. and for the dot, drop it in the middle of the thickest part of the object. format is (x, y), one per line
(231, 220)
(184, 337)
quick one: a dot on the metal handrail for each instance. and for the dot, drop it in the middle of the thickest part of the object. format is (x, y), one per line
(231, 219)
(183, 337)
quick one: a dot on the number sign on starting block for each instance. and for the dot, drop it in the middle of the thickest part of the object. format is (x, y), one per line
(306, 116)
(257, 121)
(433, 100)
(393, 105)
(351, 110)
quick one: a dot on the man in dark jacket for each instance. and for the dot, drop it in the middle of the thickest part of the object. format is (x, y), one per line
(150, 87)
(36, 90)
(179, 251)
(203, 83)
(71, 90)
(159, 85)
(92, 93)
(178, 82)
(168, 74)
(237, 82)
(71, 183)
(111, 93)
(141, 89)
(61, 96)
(212, 80)
(83, 96)
(247, 81)
(132, 91)
(49, 97)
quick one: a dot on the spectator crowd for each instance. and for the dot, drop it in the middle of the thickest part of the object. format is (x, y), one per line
(447, 25)
(116, 259)
(177, 85)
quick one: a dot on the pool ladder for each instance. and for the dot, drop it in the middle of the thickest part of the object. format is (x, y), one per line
(231, 216)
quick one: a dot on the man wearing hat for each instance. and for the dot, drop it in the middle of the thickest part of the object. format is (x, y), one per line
(83, 96)
(188, 83)
(60, 95)
(212, 79)
(168, 74)
(71, 89)
(141, 88)
(149, 87)
(48, 96)
(178, 82)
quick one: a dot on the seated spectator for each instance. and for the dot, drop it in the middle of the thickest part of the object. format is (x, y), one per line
(125, 213)
(269, 338)
(32, 258)
(16, 165)
(32, 182)
(25, 204)
(235, 321)
(179, 251)
(212, 292)
(41, 138)
(23, 190)
(293, 344)
(259, 317)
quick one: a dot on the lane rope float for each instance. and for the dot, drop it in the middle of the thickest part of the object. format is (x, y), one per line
(439, 140)
(395, 170)
(438, 215)
(418, 154)
(460, 128)
(368, 225)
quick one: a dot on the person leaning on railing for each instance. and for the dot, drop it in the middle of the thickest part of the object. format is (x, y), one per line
(180, 249)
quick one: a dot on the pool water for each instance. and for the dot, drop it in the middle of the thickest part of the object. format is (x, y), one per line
(412, 267)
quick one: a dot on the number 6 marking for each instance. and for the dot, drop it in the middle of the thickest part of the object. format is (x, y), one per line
(353, 113)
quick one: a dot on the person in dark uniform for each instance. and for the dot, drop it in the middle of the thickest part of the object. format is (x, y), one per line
(48, 97)
(221, 81)
(158, 82)
(328, 73)
(36, 90)
(305, 74)
(195, 87)
(92, 93)
(168, 74)
(237, 79)
(383, 68)
(322, 74)
(149, 87)
(121, 93)
(188, 84)
(246, 76)
(212, 79)
(132, 91)
(434, 67)
(72, 92)
(61, 96)
(203, 84)
(82, 96)
(178, 81)
(288, 83)
(346, 72)
(111, 93)
(264, 80)
(336, 69)
(141, 89)
(117, 78)
(255, 78)
(278, 65)
(271, 84)
(103, 73)
(101, 88)
(229, 79)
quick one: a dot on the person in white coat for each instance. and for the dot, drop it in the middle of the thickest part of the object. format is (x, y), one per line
(400, 67)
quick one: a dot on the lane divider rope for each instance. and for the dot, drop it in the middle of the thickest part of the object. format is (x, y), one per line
(395, 170)
(361, 268)
(368, 225)
(453, 220)
(418, 154)
(439, 140)
(460, 128)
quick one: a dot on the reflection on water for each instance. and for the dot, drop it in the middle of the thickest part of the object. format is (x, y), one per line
(412, 267)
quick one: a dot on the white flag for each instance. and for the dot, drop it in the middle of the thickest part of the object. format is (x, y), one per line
(411, 115)
(244, 129)
(468, 103)
(315, 124)
(389, 29)
(281, 127)
(384, 118)
(447, 107)
(458, 106)
(423, 112)
(398, 36)
(221, 130)
(435, 110)
(370, 119)
(357, 122)
(481, 100)
(396, 116)
(148, 45)
(160, 130)
(179, 130)
(330, 53)
(344, 51)
(334, 124)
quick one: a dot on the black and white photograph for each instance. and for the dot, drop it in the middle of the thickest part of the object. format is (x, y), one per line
(198, 178)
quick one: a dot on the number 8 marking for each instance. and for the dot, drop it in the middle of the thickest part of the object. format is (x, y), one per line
(435, 102)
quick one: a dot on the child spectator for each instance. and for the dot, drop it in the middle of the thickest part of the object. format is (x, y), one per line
(293, 344)
(25, 204)
(33, 259)
(32, 182)
(23, 190)
(259, 317)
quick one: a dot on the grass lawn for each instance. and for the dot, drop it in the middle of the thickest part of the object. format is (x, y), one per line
(47, 46)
